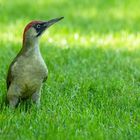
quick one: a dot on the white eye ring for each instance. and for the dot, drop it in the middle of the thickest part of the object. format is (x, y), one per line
(38, 26)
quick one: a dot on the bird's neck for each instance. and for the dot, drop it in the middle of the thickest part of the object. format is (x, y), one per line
(31, 46)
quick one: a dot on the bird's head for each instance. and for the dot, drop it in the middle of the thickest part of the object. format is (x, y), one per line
(35, 29)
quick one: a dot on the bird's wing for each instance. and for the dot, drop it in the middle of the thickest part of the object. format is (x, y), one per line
(9, 76)
(45, 78)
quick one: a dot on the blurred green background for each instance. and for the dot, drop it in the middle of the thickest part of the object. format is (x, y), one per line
(93, 57)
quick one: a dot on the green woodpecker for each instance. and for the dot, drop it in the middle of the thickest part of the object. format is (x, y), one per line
(28, 70)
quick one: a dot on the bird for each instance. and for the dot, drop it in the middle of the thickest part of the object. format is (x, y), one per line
(28, 70)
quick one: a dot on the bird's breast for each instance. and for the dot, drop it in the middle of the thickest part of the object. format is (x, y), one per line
(30, 71)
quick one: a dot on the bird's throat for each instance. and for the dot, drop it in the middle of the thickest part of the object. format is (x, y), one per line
(31, 46)
(30, 42)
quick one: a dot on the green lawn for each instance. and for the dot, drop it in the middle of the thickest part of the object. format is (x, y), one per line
(93, 57)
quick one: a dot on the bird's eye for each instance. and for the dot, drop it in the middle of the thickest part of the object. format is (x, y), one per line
(38, 26)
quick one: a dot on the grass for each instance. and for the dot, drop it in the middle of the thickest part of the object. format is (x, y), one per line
(93, 57)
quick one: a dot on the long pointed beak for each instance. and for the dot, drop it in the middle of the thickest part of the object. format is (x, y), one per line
(45, 25)
(52, 21)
